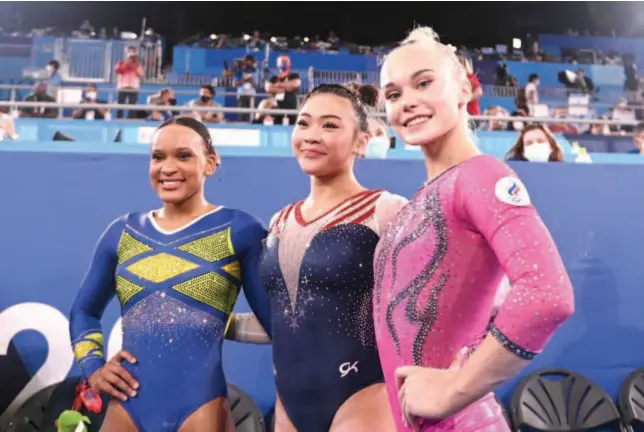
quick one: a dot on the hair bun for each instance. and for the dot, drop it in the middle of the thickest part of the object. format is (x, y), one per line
(368, 94)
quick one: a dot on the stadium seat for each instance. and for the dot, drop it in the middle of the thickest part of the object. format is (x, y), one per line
(631, 400)
(40, 412)
(560, 400)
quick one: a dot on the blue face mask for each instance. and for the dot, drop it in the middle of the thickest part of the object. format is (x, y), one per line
(377, 148)
(283, 67)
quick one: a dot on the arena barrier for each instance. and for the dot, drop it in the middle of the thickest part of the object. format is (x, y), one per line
(57, 204)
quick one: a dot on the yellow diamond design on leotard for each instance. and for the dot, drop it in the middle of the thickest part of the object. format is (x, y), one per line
(161, 267)
(233, 269)
(211, 289)
(126, 289)
(129, 247)
(212, 248)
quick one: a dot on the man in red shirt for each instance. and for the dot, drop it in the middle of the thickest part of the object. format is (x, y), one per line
(473, 107)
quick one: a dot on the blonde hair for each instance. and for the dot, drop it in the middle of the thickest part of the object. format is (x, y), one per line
(427, 36)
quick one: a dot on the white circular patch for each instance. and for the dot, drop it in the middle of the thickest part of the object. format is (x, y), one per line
(511, 191)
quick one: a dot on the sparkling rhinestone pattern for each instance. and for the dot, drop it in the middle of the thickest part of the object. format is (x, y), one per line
(161, 326)
(438, 290)
(161, 267)
(214, 247)
(129, 247)
(126, 289)
(211, 289)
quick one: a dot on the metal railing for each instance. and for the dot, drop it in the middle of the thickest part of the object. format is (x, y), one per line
(17, 105)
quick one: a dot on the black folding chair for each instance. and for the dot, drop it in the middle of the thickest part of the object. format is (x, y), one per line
(570, 403)
(631, 400)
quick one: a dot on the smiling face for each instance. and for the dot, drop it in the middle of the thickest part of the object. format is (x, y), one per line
(424, 92)
(326, 137)
(179, 164)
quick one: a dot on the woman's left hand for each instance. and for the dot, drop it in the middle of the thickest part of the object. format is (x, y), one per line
(427, 393)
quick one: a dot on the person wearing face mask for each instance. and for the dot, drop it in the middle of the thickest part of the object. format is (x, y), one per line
(165, 98)
(54, 80)
(536, 144)
(91, 97)
(206, 99)
(129, 73)
(284, 87)
(379, 142)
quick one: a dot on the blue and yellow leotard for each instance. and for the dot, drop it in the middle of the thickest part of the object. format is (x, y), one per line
(177, 290)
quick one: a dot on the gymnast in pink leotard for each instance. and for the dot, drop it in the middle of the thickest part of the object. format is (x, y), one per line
(438, 267)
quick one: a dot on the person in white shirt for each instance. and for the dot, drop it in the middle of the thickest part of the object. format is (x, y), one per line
(531, 92)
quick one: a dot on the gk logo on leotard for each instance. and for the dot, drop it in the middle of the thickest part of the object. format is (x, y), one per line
(347, 367)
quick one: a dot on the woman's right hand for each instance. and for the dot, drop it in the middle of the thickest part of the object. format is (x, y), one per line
(113, 377)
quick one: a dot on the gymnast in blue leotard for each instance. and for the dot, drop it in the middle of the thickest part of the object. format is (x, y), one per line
(318, 268)
(177, 273)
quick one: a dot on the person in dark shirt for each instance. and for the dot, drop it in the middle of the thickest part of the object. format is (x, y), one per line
(39, 95)
(91, 97)
(284, 87)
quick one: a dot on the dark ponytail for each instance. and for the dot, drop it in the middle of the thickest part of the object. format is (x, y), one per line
(197, 126)
(359, 95)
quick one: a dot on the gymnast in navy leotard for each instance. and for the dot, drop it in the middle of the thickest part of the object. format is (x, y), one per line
(317, 267)
(177, 273)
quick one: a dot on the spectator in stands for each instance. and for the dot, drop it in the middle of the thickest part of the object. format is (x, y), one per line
(561, 112)
(246, 85)
(532, 92)
(91, 97)
(7, 126)
(496, 124)
(473, 107)
(598, 129)
(265, 119)
(206, 99)
(164, 98)
(522, 111)
(54, 80)
(379, 141)
(128, 81)
(284, 87)
(638, 140)
(256, 43)
(39, 95)
(621, 112)
(536, 144)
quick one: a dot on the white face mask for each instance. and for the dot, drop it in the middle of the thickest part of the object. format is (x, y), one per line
(91, 95)
(377, 148)
(538, 152)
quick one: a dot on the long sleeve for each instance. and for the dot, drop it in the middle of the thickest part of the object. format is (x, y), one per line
(491, 200)
(97, 290)
(248, 244)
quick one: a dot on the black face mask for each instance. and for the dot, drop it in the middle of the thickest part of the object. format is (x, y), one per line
(172, 101)
(205, 98)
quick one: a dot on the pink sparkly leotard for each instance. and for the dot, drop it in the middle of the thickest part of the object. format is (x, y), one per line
(437, 270)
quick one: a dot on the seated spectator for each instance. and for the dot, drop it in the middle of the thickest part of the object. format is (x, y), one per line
(206, 99)
(598, 129)
(379, 141)
(638, 140)
(496, 124)
(266, 119)
(7, 126)
(522, 111)
(566, 128)
(91, 97)
(621, 112)
(536, 144)
(256, 43)
(164, 98)
(39, 95)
